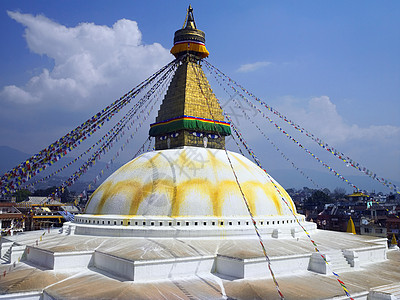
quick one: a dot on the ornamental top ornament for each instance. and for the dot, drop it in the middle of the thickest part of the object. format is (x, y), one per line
(189, 39)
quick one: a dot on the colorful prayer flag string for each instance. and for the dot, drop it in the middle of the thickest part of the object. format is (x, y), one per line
(347, 160)
(126, 121)
(325, 165)
(243, 196)
(237, 132)
(14, 178)
(106, 146)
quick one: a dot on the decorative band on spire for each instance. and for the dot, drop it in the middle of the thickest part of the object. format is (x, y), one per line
(190, 123)
(195, 46)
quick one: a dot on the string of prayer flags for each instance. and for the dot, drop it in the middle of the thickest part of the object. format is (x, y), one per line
(120, 132)
(298, 143)
(268, 139)
(346, 159)
(238, 133)
(126, 121)
(273, 145)
(242, 193)
(14, 178)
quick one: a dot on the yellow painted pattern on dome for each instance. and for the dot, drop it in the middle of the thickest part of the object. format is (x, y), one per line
(203, 187)
(249, 188)
(148, 163)
(129, 165)
(215, 163)
(215, 186)
(105, 188)
(137, 192)
(273, 194)
(162, 186)
(244, 165)
(130, 188)
(227, 187)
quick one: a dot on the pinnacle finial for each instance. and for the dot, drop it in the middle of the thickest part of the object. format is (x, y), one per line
(190, 23)
(189, 38)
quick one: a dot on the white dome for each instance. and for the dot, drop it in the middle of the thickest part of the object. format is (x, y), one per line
(190, 182)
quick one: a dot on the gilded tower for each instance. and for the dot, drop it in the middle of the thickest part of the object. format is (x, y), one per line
(189, 114)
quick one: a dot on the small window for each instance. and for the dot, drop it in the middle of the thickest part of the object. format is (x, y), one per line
(187, 223)
(136, 223)
(129, 222)
(144, 223)
(196, 223)
(267, 222)
(178, 223)
(160, 223)
(273, 222)
(204, 223)
(213, 223)
(103, 222)
(152, 223)
(222, 223)
(238, 222)
(247, 223)
(122, 222)
(109, 222)
(115, 222)
(170, 223)
(277, 222)
(230, 223)
(262, 222)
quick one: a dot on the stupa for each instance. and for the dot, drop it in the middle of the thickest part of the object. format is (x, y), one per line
(187, 186)
(172, 223)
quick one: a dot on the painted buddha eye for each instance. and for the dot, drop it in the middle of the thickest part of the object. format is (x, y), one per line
(162, 138)
(198, 134)
(174, 135)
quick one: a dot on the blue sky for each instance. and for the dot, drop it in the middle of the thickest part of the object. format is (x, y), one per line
(331, 66)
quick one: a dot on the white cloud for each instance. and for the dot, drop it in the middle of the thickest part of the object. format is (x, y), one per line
(17, 95)
(87, 58)
(321, 117)
(253, 67)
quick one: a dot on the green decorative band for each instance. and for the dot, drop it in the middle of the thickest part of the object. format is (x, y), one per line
(189, 123)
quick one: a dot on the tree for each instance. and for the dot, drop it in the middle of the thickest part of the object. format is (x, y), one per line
(326, 191)
(22, 195)
(45, 193)
(339, 193)
(318, 198)
(64, 194)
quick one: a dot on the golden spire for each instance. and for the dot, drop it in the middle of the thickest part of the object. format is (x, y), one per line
(189, 114)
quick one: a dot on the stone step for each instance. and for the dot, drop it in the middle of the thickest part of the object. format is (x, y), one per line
(337, 261)
(389, 292)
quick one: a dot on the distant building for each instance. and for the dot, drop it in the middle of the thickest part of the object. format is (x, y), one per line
(11, 219)
(372, 228)
(357, 196)
(44, 212)
(393, 227)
